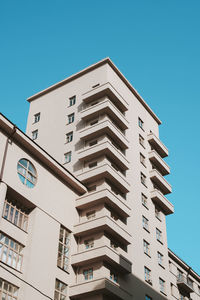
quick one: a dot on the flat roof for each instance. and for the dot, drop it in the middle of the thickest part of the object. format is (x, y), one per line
(106, 60)
(33, 148)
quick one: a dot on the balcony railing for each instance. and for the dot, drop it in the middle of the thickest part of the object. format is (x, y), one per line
(185, 283)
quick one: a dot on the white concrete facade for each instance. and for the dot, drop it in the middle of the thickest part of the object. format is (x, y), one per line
(96, 125)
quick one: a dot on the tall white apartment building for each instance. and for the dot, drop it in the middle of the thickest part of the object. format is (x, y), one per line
(99, 128)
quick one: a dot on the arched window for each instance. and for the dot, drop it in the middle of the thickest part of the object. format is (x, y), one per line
(26, 172)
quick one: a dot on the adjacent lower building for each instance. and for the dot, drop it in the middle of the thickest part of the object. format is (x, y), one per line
(94, 201)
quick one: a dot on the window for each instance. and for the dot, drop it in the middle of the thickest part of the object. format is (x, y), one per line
(10, 252)
(145, 223)
(141, 141)
(89, 244)
(146, 247)
(60, 290)
(63, 249)
(148, 298)
(8, 290)
(144, 200)
(162, 285)
(88, 274)
(15, 215)
(113, 245)
(34, 134)
(26, 172)
(114, 216)
(90, 215)
(143, 178)
(158, 235)
(69, 137)
(142, 159)
(36, 117)
(113, 277)
(72, 100)
(147, 275)
(179, 274)
(92, 143)
(181, 297)
(68, 157)
(92, 164)
(70, 118)
(157, 213)
(160, 258)
(140, 123)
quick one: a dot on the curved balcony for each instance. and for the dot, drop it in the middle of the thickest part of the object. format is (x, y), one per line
(157, 145)
(99, 286)
(104, 196)
(158, 198)
(106, 90)
(103, 253)
(105, 127)
(105, 107)
(104, 148)
(158, 179)
(105, 171)
(104, 223)
(159, 163)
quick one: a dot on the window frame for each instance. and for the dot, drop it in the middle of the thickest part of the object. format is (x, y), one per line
(15, 215)
(64, 248)
(26, 172)
(34, 134)
(72, 100)
(58, 290)
(11, 291)
(36, 118)
(88, 274)
(68, 157)
(71, 118)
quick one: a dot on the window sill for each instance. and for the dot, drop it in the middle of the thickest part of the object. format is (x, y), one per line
(160, 242)
(63, 270)
(146, 229)
(161, 266)
(144, 184)
(158, 219)
(143, 164)
(145, 206)
(149, 281)
(163, 293)
(147, 254)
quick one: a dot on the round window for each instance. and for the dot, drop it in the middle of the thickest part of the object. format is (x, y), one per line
(26, 172)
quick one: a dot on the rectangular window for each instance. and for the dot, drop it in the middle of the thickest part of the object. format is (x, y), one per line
(92, 164)
(157, 213)
(143, 178)
(34, 135)
(113, 276)
(179, 274)
(70, 118)
(89, 244)
(15, 215)
(162, 285)
(8, 290)
(144, 200)
(147, 275)
(36, 117)
(90, 215)
(145, 223)
(68, 157)
(158, 235)
(146, 247)
(72, 100)
(141, 123)
(142, 159)
(141, 141)
(10, 252)
(88, 274)
(92, 143)
(63, 249)
(160, 258)
(69, 137)
(60, 290)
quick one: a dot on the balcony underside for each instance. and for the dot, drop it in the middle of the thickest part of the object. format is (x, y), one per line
(157, 145)
(106, 90)
(105, 254)
(185, 286)
(101, 224)
(160, 182)
(162, 202)
(99, 286)
(104, 196)
(105, 148)
(159, 163)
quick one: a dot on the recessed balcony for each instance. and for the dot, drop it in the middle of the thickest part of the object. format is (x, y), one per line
(104, 196)
(106, 90)
(160, 182)
(159, 163)
(104, 148)
(157, 145)
(105, 171)
(99, 286)
(158, 198)
(104, 223)
(103, 253)
(185, 284)
(105, 107)
(105, 127)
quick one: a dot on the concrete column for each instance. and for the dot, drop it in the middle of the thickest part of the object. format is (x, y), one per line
(3, 191)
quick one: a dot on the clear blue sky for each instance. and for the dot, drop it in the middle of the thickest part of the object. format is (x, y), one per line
(156, 45)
